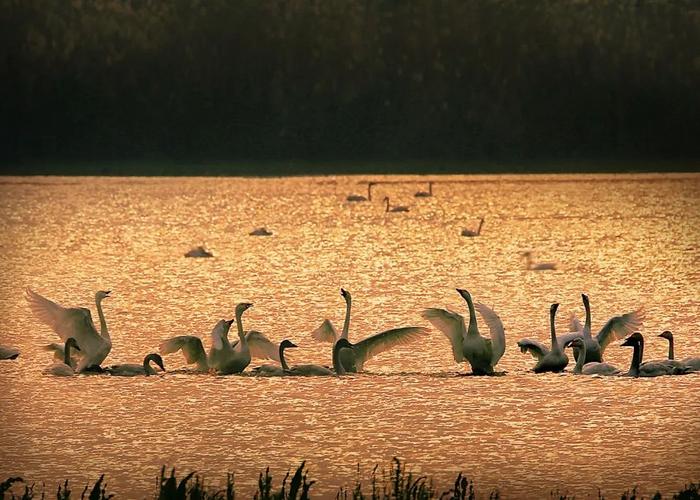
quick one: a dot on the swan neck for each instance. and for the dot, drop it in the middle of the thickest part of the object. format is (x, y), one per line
(636, 359)
(581, 359)
(283, 362)
(387, 204)
(587, 324)
(478, 230)
(552, 331)
(670, 348)
(346, 323)
(337, 365)
(147, 369)
(66, 354)
(369, 191)
(239, 327)
(103, 322)
(473, 327)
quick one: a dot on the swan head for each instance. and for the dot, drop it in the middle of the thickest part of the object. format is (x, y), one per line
(634, 339)
(343, 343)
(553, 308)
(222, 328)
(157, 360)
(102, 294)
(242, 307)
(346, 295)
(465, 295)
(667, 335)
(584, 298)
(577, 342)
(72, 343)
(287, 344)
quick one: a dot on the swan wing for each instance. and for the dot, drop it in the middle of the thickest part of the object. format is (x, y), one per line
(367, 348)
(191, 348)
(326, 332)
(496, 329)
(575, 324)
(451, 325)
(564, 339)
(65, 321)
(262, 347)
(619, 327)
(537, 349)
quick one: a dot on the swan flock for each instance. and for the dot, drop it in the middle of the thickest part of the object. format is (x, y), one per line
(83, 348)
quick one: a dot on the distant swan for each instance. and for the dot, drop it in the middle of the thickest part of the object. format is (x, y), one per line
(467, 344)
(395, 208)
(617, 327)
(8, 352)
(651, 368)
(64, 369)
(75, 322)
(359, 197)
(199, 252)
(591, 368)
(472, 233)
(132, 370)
(543, 266)
(425, 194)
(261, 231)
(548, 360)
(693, 363)
(365, 349)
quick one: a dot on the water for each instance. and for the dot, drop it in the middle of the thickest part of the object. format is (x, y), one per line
(627, 241)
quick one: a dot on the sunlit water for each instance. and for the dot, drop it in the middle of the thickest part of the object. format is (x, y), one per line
(627, 241)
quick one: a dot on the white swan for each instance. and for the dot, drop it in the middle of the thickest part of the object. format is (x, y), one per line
(63, 369)
(75, 322)
(359, 197)
(482, 354)
(617, 327)
(590, 368)
(470, 232)
(132, 370)
(693, 363)
(394, 208)
(548, 360)
(651, 368)
(425, 194)
(543, 266)
(199, 252)
(365, 349)
(235, 358)
(7, 352)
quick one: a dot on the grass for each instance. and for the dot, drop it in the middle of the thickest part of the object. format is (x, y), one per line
(398, 483)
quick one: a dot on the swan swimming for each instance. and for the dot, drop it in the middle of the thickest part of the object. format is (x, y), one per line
(650, 368)
(359, 197)
(548, 360)
(364, 350)
(593, 367)
(7, 352)
(425, 194)
(543, 266)
(132, 370)
(693, 363)
(470, 232)
(199, 252)
(63, 369)
(482, 354)
(617, 327)
(75, 322)
(284, 369)
(342, 345)
(260, 231)
(394, 208)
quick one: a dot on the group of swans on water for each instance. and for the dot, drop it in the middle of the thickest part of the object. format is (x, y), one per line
(84, 348)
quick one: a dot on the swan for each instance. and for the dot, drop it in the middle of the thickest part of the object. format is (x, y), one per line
(548, 360)
(75, 322)
(543, 266)
(425, 194)
(342, 345)
(359, 197)
(8, 352)
(132, 370)
(472, 233)
(617, 327)
(395, 208)
(365, 349)
(284, 369)
(199, 252)
(234, 358)
(650, 368)
(260, 231)
(591, 368)
(63, 369)
(693, 363)
(482, 354)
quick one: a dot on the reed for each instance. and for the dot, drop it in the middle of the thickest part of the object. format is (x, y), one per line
(397, 483)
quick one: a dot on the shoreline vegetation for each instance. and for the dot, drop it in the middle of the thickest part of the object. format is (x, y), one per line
(397, 483)
(485, 80)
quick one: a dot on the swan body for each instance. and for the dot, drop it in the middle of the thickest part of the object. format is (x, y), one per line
(284, 369)
(342, 345)
(235, 358)
(394, 208)
(7, 352)
(471, 233)
(75, 322)
(590, 368)
(133, 370)
(359, 197)
(364, 350)
(692, 363)
(548, 360)
(425, 194)
(64, 369)
(651, 368)
(199, 252)
(260, 231)
(467, 344)
(543, 266)
(617, 327)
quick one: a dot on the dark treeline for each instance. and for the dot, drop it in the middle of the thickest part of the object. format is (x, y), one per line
(457, 80)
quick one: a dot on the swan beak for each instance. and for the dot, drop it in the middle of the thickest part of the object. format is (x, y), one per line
(230, 322)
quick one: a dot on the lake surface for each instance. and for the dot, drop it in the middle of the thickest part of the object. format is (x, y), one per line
(627, 241)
